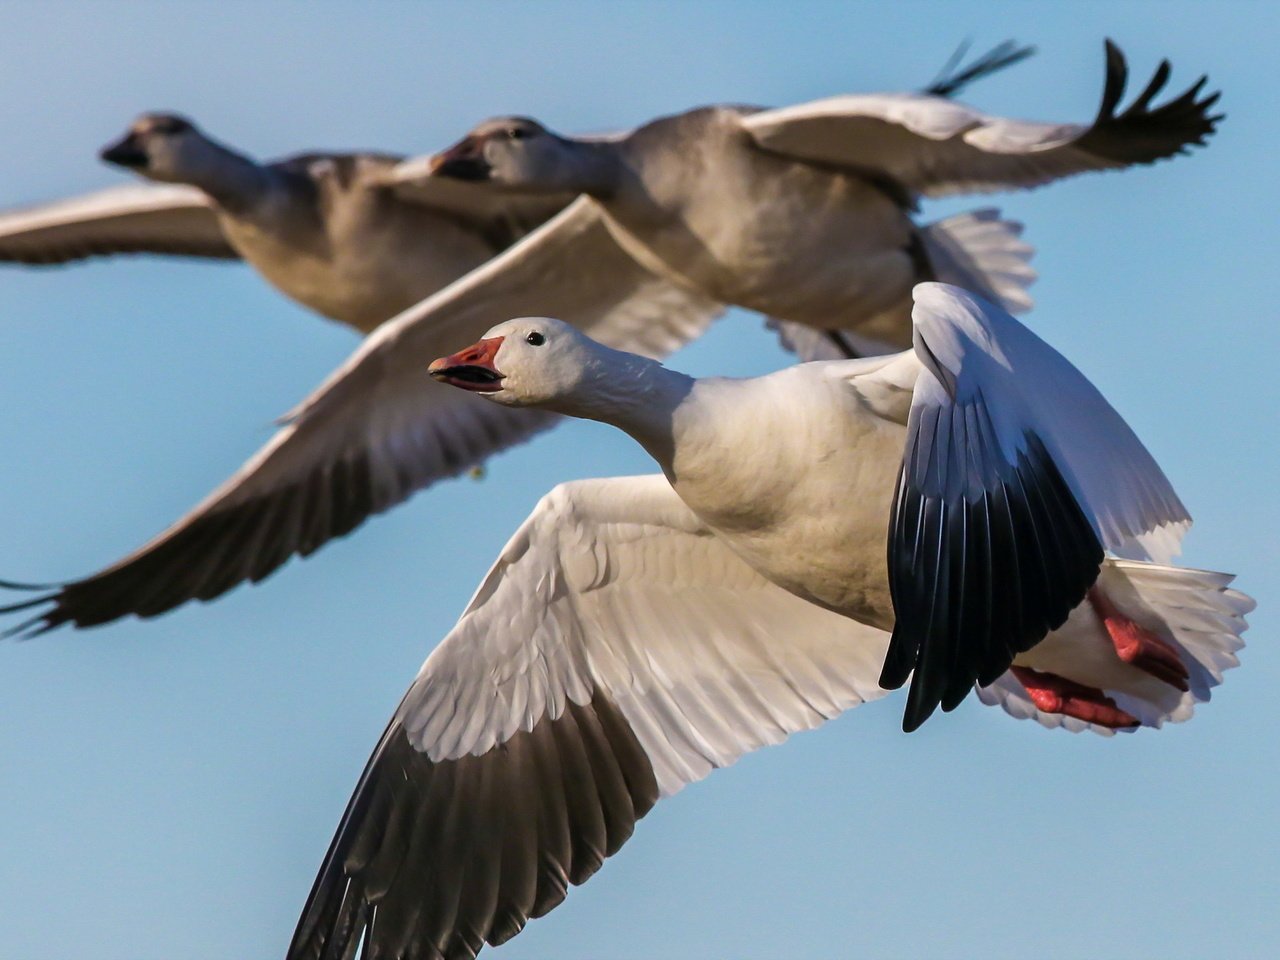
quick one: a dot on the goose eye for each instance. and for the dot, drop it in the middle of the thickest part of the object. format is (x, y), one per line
(535, 339)
(517, 133)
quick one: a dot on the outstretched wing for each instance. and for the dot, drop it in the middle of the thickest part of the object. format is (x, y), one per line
(933, 146)
(138, 218)
(616, 651)
(1016, 476)
(380, 428)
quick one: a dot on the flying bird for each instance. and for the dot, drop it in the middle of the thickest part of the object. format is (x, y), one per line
(804, 213)
(721, 205)
(336, 232)
(638, 632)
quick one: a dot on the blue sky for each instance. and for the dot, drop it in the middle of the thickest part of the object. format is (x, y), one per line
(171, 786)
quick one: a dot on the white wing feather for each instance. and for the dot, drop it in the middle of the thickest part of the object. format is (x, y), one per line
(614, 585)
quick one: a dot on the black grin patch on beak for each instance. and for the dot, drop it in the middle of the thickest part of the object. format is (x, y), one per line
(470, 377)
(124, 154)
(464, 168)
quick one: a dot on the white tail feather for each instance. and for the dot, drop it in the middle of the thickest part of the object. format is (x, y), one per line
(985, 254)
(1195, 611)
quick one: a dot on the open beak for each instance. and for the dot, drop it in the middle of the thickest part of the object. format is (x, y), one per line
(463, 161)
(125, 152)
(472, 368)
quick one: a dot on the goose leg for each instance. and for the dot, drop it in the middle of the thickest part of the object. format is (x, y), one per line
(1054, 694)
(1138, 646)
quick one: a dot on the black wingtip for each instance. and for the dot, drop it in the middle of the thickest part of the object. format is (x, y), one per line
(1144, 132)
(951, 80)
(29, 629)
(28, 587)
(917, 712)
(1117, 78)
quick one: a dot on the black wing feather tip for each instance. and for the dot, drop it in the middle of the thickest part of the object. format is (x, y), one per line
(951, 80)
(448, 884)
(1141, 133)
(951, 622)
(28, 587)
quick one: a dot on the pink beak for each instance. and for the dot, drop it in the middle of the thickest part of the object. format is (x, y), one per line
(472, 368)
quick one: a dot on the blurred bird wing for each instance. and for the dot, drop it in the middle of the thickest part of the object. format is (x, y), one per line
(137, 218)
(934, 146)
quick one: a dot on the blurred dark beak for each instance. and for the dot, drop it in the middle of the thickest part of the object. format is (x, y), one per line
(463, 161)
(125, 152)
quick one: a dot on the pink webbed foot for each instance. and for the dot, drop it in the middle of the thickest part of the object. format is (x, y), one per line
(1138, 646)
(1054, 694)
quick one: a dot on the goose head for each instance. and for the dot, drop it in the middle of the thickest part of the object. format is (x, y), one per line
(521, 154)
(165, 147)
(528, 362)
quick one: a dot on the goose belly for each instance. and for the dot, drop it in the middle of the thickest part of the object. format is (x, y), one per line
(360, 274)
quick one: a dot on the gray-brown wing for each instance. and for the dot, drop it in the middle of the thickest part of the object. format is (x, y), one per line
(137, 218)
(380, 428)
(933, 146)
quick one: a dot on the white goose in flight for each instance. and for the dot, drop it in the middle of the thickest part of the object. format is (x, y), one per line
(638, 632)
(825, 243)
(336, 232)
(804, 213)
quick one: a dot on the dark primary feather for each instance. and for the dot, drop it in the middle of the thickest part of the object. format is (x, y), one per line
(985, 556)
(1141, 134)
(211, 551)
(435, 859)
(951, 80)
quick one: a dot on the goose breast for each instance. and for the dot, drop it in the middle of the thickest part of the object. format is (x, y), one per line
(796, 474)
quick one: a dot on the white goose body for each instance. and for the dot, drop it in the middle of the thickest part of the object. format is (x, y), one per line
(803, 504)
(804, 213)
(851, 265)
(636, 633)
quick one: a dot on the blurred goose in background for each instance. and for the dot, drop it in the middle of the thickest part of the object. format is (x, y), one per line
(642, 263)
(332, 231)
(638, 632)
(804, 213)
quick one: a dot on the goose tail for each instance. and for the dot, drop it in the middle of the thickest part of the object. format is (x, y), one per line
(1195, 614)
(983, 253)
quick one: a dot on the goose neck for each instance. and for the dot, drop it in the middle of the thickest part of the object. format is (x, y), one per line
(596, 167)
(236, 182)
(635, 394)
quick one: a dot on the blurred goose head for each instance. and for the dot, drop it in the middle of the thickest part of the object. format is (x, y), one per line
(522, 154)
(166, 147)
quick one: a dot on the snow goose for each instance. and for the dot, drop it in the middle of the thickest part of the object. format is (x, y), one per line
(804, 213)
(333, 231)
(638, 632)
